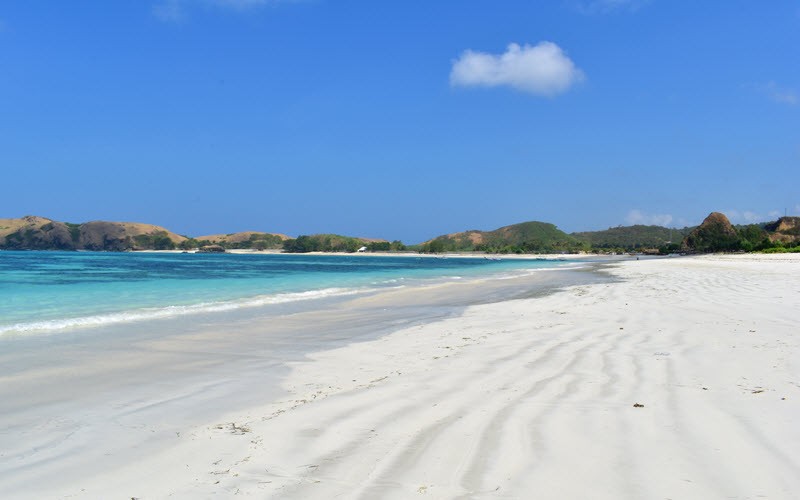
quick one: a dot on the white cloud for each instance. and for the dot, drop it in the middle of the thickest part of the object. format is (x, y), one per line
(542, 69)
(780, 94)
(733, 215)
(638, 217)
(751, 217)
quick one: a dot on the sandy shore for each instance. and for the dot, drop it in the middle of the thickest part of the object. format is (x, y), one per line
(682, 380)
(409, 254)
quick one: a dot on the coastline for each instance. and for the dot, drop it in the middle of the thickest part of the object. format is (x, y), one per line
(447, 255)
(164, 285)
(494, 400)
(109, 396)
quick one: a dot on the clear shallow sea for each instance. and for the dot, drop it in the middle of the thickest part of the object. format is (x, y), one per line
(51, 291)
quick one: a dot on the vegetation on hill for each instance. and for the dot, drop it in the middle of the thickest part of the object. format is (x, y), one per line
(336, 243)
(248, 239)
(159, 240)
(39, 233)
(783, 235)
(386, 246)
(252, 240)
(714, 235)
(527, 237)
(634, 238)
(35, 232)
(717, 234)
(785, 229)
(122, 236)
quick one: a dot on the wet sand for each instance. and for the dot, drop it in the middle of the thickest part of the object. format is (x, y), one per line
(668, 378)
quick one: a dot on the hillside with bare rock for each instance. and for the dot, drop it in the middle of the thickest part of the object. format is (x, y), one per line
(785, 229)
(39, 233)
(120, 236)
(715, 234)
(32, 232)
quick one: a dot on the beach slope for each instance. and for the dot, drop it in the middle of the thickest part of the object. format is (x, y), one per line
(679, 380)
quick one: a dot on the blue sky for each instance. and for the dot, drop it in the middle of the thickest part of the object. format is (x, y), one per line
(399, 120)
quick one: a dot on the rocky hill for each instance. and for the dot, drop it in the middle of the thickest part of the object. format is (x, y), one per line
(32, 232)
(785, 229)
(119, 236)
(715, 234)
(39, 233)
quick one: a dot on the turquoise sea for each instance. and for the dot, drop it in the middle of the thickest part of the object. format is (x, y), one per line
(54, 291)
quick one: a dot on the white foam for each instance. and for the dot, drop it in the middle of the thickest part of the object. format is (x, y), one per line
(172, 311)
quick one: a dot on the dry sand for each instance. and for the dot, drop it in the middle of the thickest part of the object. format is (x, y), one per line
(681, 381)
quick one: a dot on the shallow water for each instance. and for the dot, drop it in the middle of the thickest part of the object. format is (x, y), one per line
(47, 291)
(115, 393)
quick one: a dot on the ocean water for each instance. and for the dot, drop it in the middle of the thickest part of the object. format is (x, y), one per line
(54, 291)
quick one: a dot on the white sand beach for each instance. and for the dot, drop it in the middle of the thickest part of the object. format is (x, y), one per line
(680, 380)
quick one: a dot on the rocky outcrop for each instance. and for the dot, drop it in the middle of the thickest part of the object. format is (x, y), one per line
(715, 234)
(39, 233)
(32, 232)
(121, 236)
(785, 229)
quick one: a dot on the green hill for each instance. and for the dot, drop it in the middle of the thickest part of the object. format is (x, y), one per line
(40, 233)
(246, 239)
(633, 237)
(526, 237)
(337, 243)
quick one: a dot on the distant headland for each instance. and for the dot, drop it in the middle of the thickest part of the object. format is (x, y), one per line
(715, 234)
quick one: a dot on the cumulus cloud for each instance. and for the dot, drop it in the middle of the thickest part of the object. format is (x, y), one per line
(780, 94)
(751, 217)
(543, 69)
(635, 217)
